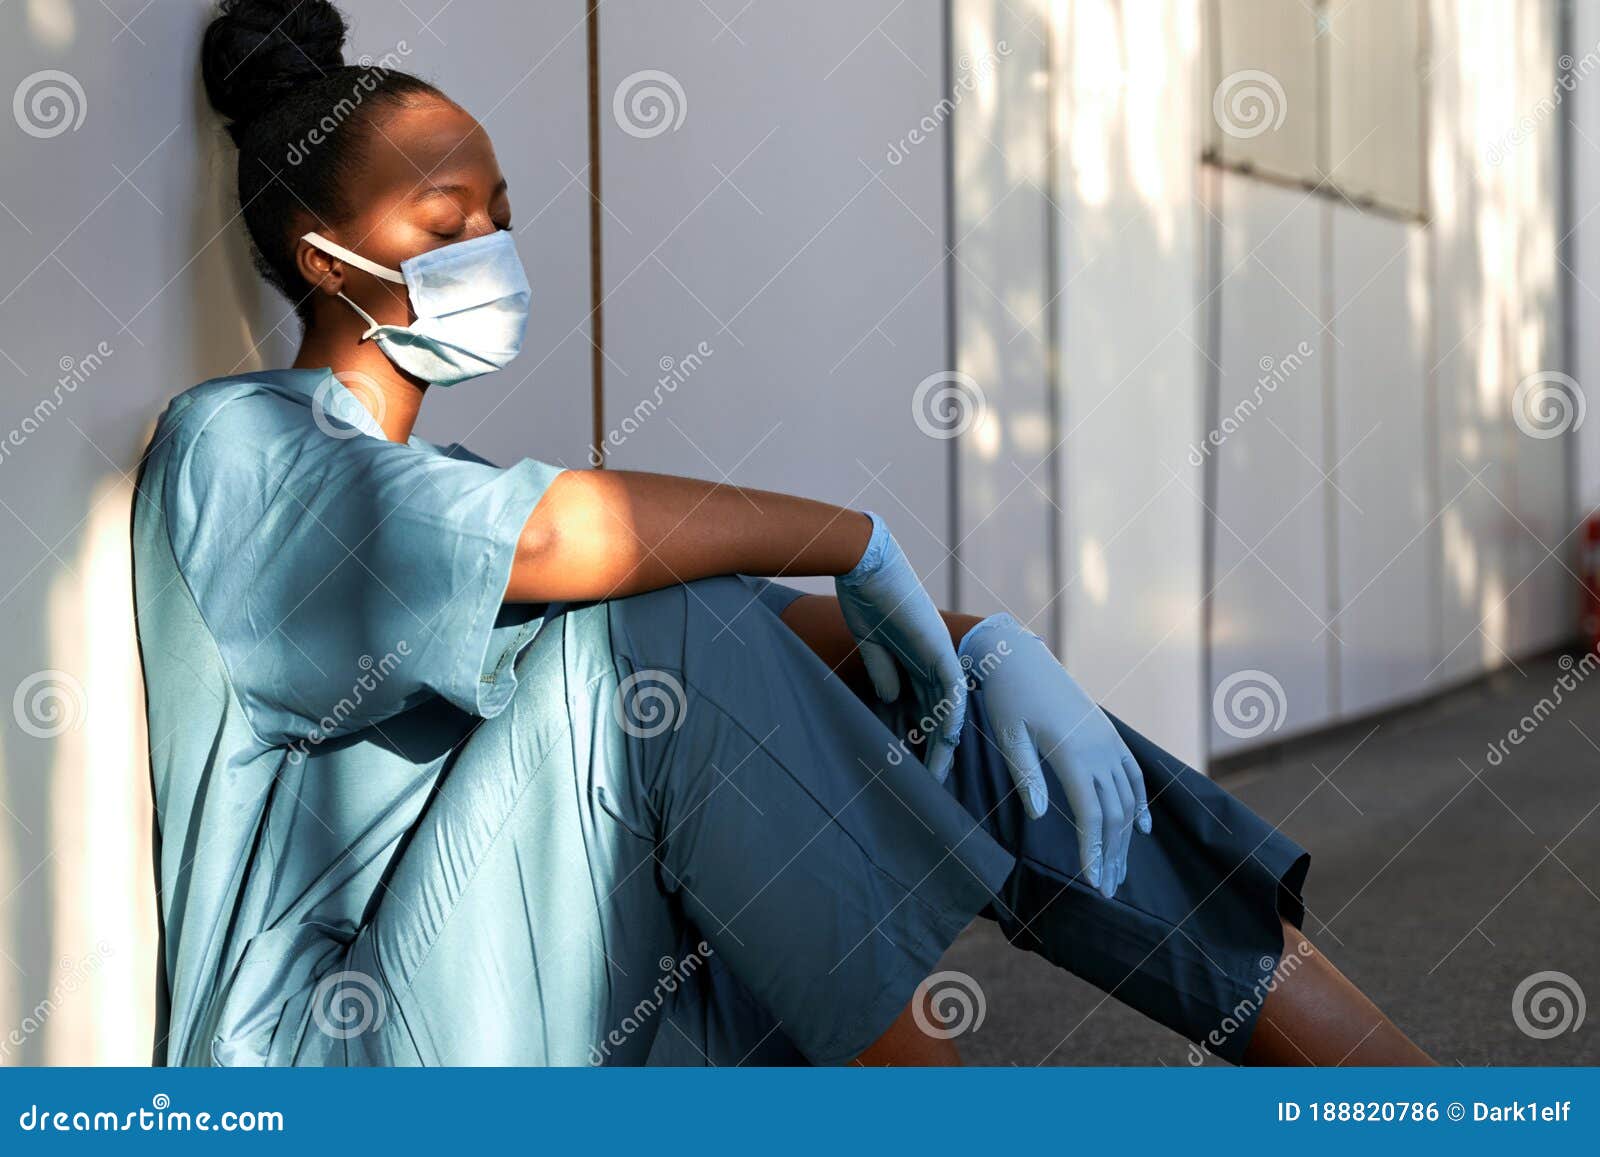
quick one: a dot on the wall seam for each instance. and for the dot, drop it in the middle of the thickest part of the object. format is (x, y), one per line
(597, 333)
(1211, 241)
(1430, 382)
(1055, 403)
(1330, 406)
(1566, 221)
(952, 345)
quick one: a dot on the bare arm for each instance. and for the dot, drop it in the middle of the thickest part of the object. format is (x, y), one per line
(600, 534)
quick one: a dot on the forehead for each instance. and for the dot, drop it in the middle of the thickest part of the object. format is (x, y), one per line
(431, 144)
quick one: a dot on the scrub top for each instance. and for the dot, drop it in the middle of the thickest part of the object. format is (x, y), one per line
(299, 581)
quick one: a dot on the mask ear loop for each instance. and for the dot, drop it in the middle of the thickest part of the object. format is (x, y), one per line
(373, 326)
(350, 257)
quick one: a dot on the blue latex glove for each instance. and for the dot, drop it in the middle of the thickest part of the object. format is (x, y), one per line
(1038, 713)
(897, 628)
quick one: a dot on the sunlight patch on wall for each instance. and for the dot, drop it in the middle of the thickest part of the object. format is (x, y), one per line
(1093, 76)
(52, 23)
(1144, 84)
(1094, 572)
(103, 973)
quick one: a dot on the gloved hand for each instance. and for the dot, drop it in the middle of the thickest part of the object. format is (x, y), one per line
(897, 628)
(1039, 712)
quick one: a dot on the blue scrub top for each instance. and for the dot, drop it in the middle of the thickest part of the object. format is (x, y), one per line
(321, 624)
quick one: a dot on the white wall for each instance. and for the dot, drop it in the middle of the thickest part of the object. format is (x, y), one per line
(1381, 490)
(772, 226)
(1382, 528)
(1270, 522)
(1076, 228)
(1500, 494)
(1008, 484)
(1132, 336)
(1424, 556)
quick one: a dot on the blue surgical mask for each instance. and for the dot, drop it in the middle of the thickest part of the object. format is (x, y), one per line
(471, 300)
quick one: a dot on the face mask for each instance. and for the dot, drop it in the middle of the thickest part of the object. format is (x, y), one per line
(471, 301)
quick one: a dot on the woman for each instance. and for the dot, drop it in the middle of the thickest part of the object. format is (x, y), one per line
(459, 764)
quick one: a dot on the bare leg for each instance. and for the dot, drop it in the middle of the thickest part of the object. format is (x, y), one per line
(905, 1044)
(1315, 1016)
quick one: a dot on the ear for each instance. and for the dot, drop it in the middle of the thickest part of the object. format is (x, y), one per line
(323, 273)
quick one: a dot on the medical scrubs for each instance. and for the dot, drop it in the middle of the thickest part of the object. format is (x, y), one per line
(400, 823)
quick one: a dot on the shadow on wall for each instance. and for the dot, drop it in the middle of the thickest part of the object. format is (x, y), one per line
(78, 913)
(229, 298)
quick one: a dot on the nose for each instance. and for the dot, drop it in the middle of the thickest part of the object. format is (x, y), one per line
(480, 225)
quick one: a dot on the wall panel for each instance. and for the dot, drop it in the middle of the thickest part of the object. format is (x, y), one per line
(1383, 539)
(774, 282)
(1132, 332)
(1374, 52)
(1261, 84)
(1500, 491)
(1270, 523)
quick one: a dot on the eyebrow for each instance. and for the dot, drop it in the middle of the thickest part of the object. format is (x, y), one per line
(443, 190)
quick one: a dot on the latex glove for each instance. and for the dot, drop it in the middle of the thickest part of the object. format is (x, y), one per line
(1039, 712)
(898, 629)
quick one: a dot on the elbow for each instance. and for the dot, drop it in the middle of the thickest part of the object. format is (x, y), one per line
(535, 563)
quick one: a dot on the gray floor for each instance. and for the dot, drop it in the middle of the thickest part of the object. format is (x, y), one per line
(1438, 883)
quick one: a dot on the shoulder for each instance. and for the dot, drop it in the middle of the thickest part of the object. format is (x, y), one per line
(269, 399)
(246, 409)
(236, 435)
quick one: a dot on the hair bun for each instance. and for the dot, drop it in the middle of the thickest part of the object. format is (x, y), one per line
(255, 50)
